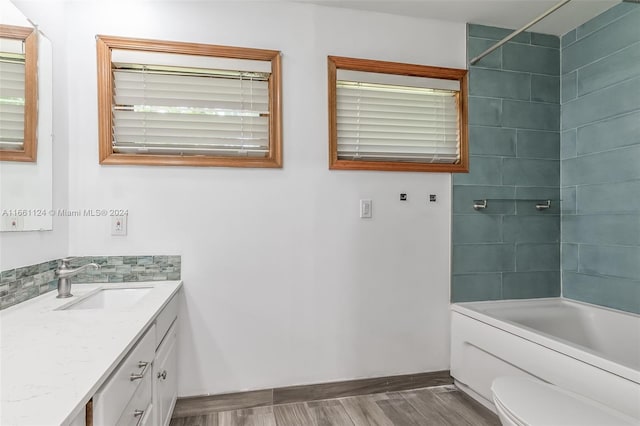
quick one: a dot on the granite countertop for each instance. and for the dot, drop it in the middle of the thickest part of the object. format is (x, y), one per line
(53, 361)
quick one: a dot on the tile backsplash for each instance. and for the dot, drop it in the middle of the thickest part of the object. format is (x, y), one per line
(20, 284)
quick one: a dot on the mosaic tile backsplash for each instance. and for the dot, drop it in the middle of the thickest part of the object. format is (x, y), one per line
(20, 284)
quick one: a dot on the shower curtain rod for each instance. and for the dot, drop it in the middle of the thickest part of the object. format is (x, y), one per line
(515, 33)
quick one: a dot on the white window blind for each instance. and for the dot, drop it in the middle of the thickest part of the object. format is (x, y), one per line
(12, 94)
(388, 122)
(188, 111)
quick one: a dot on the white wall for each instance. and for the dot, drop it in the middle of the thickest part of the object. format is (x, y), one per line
(27, 248)
(284, 284)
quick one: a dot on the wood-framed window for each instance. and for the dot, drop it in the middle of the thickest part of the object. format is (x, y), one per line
(18, 93)
(397, 117)
(188, 104)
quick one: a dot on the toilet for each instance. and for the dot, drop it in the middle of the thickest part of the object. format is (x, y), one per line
(522, 401)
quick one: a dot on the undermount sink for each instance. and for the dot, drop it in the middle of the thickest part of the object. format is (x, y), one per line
(110, 298)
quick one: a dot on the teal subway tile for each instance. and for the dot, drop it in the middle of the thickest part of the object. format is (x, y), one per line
(568, 144)
(527, 285)
(464, 195)
(528, 208)
(610, 70)
(530, 172)
(568, 38)
(535, 59)
(605, 41)
(476, 46)
(613, 133)
(531, 229)
(529, 115)
(474, 287)
(538, 192)
(622, 229)
(469, 258)
(538, 144)
(569, 256)
(476, 228)
(482, 171)
(485, 111)
(605, 18)
(496, 33)
(492, 141)
(609, 166)
(569, 84)
(568, 197)
(537, 257)
(619, 99)
(608, 198)
(615, 261)
(612, 292)
(499, 84)
(545, 88)
(129, 260)
(547, 40)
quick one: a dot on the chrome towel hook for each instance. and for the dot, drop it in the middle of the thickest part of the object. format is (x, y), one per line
(479, 204)
(543, 206)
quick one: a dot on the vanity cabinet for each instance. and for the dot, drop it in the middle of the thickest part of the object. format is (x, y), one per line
(143, 389)
(165, 389)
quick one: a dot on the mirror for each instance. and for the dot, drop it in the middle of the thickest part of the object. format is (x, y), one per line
(25, 177)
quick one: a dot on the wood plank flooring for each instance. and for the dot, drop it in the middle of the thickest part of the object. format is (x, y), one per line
(438, 406)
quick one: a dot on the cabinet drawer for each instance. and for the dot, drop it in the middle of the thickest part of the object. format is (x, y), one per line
(114, 395)
(139, 408)
(166, 318)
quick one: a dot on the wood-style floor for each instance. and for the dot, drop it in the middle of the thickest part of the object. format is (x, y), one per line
(441, 405)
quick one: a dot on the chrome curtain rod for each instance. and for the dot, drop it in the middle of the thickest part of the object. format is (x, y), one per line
(515, 33)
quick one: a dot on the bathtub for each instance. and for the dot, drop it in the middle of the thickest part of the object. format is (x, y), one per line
(584, 348)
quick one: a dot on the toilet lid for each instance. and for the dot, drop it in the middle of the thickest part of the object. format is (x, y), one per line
(532, 402)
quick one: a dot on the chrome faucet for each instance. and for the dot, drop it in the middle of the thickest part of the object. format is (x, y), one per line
(64, 274)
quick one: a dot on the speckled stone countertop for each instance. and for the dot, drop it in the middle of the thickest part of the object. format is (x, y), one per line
(53, 361)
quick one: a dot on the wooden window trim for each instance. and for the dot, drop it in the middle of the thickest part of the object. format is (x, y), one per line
(367, 65)
(105, 90)
(29, 153)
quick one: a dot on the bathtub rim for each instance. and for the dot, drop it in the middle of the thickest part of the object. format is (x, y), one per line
(557, 344)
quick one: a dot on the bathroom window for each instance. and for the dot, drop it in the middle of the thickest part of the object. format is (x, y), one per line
(396, 117)
(187, 104)
(18, 93)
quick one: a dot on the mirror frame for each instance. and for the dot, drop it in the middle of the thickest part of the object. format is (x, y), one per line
(30, 147)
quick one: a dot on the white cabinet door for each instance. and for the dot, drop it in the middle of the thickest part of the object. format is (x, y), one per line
(165, 378)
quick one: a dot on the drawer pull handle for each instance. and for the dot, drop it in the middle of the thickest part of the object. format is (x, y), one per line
(163, 375)
(139, 413)
(143, 365)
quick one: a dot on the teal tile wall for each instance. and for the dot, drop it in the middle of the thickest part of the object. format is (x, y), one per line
(510, 249)
(600, 151)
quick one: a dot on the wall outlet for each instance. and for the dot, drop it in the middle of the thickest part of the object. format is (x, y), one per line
(12, 223)
(118, 225)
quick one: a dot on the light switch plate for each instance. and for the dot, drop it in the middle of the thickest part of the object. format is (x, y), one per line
(366, 209)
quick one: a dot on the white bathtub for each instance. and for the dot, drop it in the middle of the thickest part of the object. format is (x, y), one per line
(587, 349)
